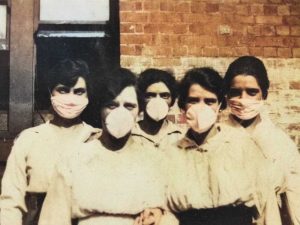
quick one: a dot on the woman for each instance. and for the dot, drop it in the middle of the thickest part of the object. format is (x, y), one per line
(111, 179)
(157, 91)
(36, 151)
(246, 85)
(219, 176)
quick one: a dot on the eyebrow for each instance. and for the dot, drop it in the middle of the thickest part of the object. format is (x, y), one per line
(79, 89)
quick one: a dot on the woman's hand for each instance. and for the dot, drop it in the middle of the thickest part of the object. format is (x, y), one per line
(150, 216)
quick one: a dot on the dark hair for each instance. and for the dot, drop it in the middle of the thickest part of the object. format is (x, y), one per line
(152, 76)
(207, 78)
(67, 72)
(251, 66)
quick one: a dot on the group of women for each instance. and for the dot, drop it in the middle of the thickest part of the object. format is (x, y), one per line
(140, 168)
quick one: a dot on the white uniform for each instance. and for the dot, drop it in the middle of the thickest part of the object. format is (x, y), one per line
(282, 151)
(227, 169)
(31, 163)
(168, 136)
(102, 187)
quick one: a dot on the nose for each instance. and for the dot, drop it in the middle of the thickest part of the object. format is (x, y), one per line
(244, 94)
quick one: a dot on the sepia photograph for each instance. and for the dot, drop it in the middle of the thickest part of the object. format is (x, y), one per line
(149, 112)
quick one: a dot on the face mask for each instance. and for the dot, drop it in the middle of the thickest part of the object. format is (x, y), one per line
(119, 122)
(245, 109)
(201, 117)
(157, 109)
(69, 106)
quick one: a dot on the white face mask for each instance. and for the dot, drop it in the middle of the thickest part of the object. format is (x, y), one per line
(157, 109)
(119, 122)
(69, 106)
(201, 117)
(245, 109)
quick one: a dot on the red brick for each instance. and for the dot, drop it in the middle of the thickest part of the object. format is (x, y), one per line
(254, 30)
(180, 51)
(270, 10)
(212, 29)
(269, 20)
(295, 30)
(297, 42)
(257, 51)
(283, 10)
(127, 49)
(180, 28)
(196, 28)
(211, 8)
(284, 52)
(295, 10)
(167, 6)
(296, 52)
(244, 19)
(133, 17)
(288, 41)
(136, 39)
(163, 51)
(197, 18)
(226, 52)
(269, 42)
(195, 51)
(127, 28)
(138, 49)
(292, 20)
(183, 7)
(275, 1)
(270, 52)
(257, 9)
(201, 41)
(294, 85)
(128, 6)
(242, 10)
(268, 30)
(254, 1)
(210, 51)
(166, 28)
(158, 17)
(174, 17)
(282, 30)
(197, 7)
(151, 5)
(227, 8)
(241, 51)
(139, 28)
(151, 28)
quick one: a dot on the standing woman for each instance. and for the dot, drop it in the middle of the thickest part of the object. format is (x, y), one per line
(36, 151)
(246, 85)
(157, 92)
(220, 176)
(110, 179)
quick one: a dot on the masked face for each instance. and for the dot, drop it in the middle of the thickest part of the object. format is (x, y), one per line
(118, 117)
(70, 102)
(158, 101)
(245, 97)
(201, 108)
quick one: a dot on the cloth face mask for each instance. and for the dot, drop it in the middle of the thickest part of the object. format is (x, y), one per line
(119, 122)
(245, 109)
(201, 117)
(157, 109)
(69, 106)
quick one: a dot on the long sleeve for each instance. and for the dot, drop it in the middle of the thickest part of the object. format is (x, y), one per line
(14, 182)
(57, 207)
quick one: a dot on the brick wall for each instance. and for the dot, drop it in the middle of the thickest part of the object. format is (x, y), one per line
(180, 34)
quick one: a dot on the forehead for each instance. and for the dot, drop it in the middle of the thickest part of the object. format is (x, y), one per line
(198, 91)
(128, 94)
(244, 81)
(158, 88)
(80, 83)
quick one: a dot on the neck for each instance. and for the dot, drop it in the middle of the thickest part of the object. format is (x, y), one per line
(150, 126)
(197, 137)
(112, 143)
(62, 122)
(244, 123)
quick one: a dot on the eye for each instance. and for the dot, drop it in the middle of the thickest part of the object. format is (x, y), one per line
(191, 100)
(112, 105)
(130, 106)
(210, 101)
(252, 91)
(165, 95)
(62, 90)
(150, 95)
(79, 91)
(234, 92)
